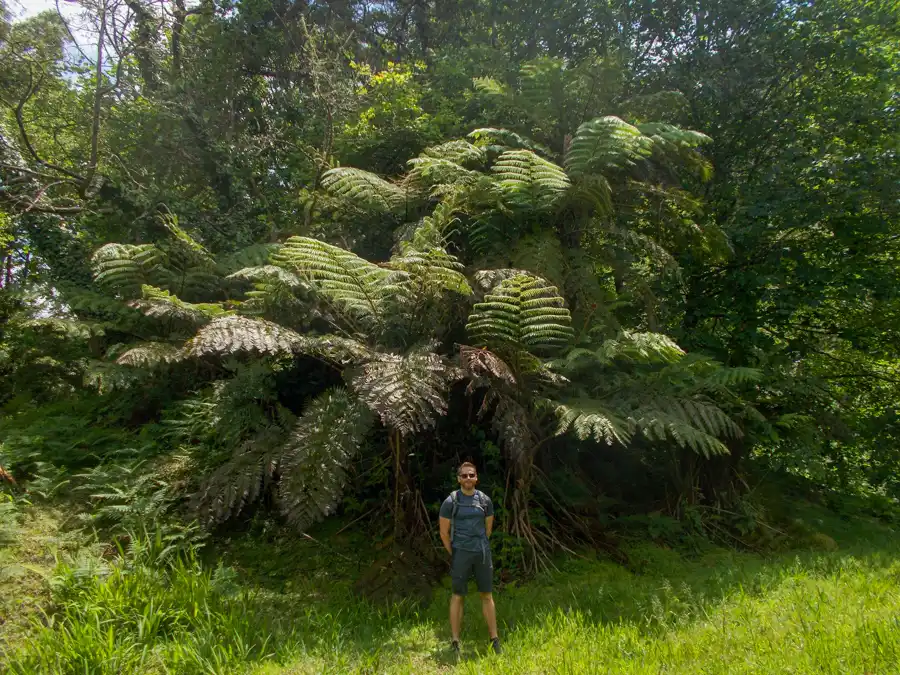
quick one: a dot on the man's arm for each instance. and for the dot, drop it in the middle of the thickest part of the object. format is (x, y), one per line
(489, 525)
(445, 533)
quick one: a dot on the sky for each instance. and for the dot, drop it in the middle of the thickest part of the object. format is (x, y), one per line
(23, 9)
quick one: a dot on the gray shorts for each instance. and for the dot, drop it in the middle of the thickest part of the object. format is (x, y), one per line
(466, 563)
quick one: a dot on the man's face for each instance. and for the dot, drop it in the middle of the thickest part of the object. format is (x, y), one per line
(468, 477)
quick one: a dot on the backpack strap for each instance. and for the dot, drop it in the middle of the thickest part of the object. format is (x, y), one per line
(454, 496)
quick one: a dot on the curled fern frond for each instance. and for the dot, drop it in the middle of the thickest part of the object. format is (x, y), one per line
(524, 311)
(407, 392)
(364, 190)
(317, 455)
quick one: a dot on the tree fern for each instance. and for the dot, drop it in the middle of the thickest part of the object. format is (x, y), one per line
(673, 146)
(239, 334)
(160, 304)
(524, 311)
(238, 482)
(365, 190)
(317, 455)
(527, 180)
(590, 419)
(499, 140)
(407, 392)
(344, 280)
(603, 144)
(150, 354)
(124, 268)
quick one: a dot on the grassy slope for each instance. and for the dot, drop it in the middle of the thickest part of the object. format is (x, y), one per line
(721, 612)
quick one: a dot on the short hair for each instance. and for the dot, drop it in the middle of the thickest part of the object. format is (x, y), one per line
(464, 465)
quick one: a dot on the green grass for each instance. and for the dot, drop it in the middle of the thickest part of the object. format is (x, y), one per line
(280, 605)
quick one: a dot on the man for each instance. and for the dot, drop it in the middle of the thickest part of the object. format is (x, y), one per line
(466, 521)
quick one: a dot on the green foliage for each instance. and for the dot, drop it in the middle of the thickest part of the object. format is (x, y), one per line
(317, 455)
(523, 312)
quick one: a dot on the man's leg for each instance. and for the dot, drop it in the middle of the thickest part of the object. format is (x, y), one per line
(490, 613)
(456, 612)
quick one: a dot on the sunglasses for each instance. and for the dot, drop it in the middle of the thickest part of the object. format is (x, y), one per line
(467, 475)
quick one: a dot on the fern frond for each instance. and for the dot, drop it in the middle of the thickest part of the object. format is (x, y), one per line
(528, 180)
(673, 146)
(150, 355)
(483, 367)
(659, 426)
(589, 419)
(364, 190)
(256, 255)
(240, 481)
(124, 268)
(317, 455)
(524, 311)
(605, 143)
(542, 255)
(487, 280)
(428, 273)
(407, 392)
(640, 348)
(344, 279)
(459, 152)
(699, 414)
(266, 272)
(239, 334)
(734, 376)
(489, 86)
(160, 304)
(498, 140)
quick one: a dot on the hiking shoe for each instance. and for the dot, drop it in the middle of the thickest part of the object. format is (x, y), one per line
(454, 647)
(495, 646)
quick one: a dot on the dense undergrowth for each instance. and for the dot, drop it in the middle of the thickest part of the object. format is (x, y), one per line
(269, 601)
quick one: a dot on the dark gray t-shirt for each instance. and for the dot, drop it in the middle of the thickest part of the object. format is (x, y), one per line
(469, 533)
